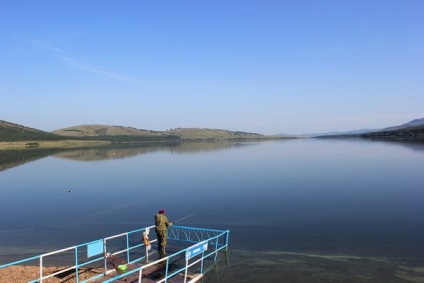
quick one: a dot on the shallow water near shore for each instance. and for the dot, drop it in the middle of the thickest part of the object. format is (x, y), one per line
(305, 210)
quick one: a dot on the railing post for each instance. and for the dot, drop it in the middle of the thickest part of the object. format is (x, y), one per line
(226, 240)
(216, 250)
(201, 263)
(41, 269)
(166, 269)
(76, 265)
(186, 270)
(128, 249)
(140, 275)
(104, 254)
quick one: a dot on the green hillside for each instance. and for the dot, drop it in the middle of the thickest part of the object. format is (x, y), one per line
(104, 130)
(118, 134)
(10, 132)
(415, 133)
(214, 134)
(187, 134)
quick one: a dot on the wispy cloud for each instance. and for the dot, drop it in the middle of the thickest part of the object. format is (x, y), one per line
(95, 70)
(66, 57)
(46, 46)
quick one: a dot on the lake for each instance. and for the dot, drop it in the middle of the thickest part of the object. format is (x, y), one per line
(298, 210)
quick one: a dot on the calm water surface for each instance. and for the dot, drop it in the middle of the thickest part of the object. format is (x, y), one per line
(303, 210)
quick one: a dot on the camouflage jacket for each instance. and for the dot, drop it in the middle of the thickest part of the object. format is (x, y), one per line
(161, 221)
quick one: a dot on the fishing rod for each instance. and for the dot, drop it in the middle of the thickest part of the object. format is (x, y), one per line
(185, 217)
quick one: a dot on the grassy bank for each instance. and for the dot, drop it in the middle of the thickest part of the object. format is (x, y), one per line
(19, 145)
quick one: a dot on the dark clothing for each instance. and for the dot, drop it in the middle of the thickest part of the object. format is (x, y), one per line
(161, 225)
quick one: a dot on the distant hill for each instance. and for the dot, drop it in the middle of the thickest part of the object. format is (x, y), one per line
(214, 134)
(413, 123)
(414, 132)
(365, 132)
(410, 130)
(110, 132)
(335, 133)
(10, 132)
(115, 133)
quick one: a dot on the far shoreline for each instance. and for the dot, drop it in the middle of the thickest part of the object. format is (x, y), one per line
(74, 144)
(21, 145)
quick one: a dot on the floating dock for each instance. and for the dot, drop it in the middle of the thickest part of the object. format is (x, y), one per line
(125, 257)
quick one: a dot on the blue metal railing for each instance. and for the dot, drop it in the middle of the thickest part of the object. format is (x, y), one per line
(130, 246)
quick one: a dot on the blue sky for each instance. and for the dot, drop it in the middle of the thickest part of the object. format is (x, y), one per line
(260, 66)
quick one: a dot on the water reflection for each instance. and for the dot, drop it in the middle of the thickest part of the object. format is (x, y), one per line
(215, 272)
(116, 152)
(13, 158)
(414, 145)
(104, 153)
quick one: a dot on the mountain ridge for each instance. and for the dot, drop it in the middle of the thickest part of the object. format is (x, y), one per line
(412, 130)
(413, 123)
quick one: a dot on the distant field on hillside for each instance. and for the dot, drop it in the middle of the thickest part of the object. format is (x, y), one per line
(112, 132)
(105, 130)
(13, 136)
(115, 134)
(210, 134)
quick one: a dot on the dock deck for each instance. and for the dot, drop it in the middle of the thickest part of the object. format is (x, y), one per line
(191, 253)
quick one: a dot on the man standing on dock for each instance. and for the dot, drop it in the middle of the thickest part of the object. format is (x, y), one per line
(162, 223)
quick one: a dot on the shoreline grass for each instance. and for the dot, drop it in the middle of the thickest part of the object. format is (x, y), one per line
(20, 145)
